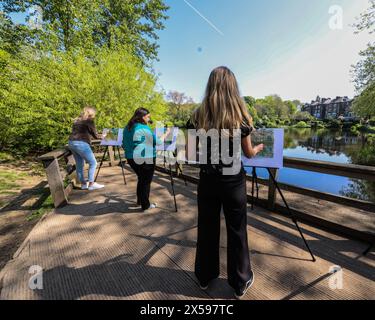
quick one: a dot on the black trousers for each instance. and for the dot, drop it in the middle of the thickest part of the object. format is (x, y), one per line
(227, 192)
(145, 173)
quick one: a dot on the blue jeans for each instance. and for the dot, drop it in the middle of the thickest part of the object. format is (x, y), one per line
(82, 152)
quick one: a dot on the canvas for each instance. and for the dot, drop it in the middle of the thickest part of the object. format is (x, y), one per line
(112, 137)
(272, 154)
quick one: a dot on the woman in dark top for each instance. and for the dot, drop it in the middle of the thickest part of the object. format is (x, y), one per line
(79, 143)
(223, 109)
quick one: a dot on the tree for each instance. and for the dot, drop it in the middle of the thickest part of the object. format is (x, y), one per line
(292, 106)
(42, 93)
(273, 107)
(181, 107)
(302, 116)
(367, 19)
(364, 70)
(68, 25)
(178, 99)
(251, 102)
(12, 37)
(365, 103)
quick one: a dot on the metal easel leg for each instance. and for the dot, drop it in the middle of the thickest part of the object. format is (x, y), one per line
(290, 213)
(122, 165)
(101, 163)
(172, 184)
(254, 182)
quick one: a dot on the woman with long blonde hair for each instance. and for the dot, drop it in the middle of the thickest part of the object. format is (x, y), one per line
(223, 109)
(79, 143)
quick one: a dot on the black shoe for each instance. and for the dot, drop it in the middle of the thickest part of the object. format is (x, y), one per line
(239, 293)
(203, 285)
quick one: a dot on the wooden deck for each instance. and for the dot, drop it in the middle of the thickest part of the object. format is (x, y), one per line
(101, 246)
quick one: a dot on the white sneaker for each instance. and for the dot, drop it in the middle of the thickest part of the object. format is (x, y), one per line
(152, 206)
(85, 186)
(96, 186)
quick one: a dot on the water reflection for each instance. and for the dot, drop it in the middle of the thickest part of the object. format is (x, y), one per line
(327, 145)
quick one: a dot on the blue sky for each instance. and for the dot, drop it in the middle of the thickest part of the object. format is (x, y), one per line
(283, 47)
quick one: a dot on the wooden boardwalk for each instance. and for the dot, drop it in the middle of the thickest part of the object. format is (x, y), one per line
(101, 246)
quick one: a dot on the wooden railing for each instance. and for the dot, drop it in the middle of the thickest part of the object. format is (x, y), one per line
(335, 169)
(60, 170)
(56, 175)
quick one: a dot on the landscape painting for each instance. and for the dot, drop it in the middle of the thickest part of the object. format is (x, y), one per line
(112, 137)
(272, 154)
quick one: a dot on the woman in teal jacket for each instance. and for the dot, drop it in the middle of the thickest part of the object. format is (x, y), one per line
(139, 143)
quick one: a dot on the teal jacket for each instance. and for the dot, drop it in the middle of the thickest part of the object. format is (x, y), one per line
(140, 142)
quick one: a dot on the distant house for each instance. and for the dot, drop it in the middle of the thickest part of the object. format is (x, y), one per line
(326, 108)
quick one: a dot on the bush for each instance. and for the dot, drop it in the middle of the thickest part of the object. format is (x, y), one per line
(301, 124)
(333, 123)
(41, 94)
(317, 124)
(303, 116)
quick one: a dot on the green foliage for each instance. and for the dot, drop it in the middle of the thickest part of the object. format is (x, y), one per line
(364, 70)
(367, 18)
(364, 104)
(317, 124)
(334, 124)
(301, 124)
(364, 128)
(12, 36)
(9, 180)
(302, 116)
(180, 108)
(89, 24)
(250, 102)
(272, 110)
(46, 207)
(43, 93)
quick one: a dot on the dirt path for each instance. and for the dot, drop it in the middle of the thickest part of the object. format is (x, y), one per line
(22, 191)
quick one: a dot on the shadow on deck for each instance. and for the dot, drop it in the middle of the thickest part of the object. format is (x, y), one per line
(101, 246)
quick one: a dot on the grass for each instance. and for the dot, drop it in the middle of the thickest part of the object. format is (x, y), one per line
(12, 179)
(5, 157)
(46, 207)
(9, 180)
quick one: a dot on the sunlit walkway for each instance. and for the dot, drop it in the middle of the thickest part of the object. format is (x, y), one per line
(102, 247)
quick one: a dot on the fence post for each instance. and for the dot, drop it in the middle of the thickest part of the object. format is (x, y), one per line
(111, 156)
(272, 190)
(55, 182)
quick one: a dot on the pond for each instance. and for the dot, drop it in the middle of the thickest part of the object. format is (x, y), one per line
(325, 145)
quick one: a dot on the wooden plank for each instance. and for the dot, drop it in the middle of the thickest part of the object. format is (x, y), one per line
(55, 182)
(69, 189)
(272, 190)
(350, 202)
(111, 156)
(56, 154)
(337, 169)
(302, 216)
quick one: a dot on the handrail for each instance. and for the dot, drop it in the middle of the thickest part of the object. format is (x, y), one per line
(337, 169)
(60, 192)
